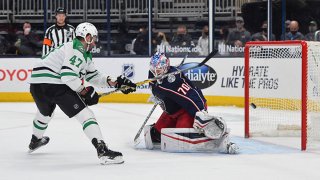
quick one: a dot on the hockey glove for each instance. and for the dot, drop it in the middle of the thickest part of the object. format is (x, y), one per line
(123, 81)
(89, 95)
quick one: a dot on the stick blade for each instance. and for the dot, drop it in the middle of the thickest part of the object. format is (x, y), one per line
(136, 138)
(136, 142)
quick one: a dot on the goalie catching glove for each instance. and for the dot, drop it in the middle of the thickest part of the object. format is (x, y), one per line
(89, 95)
(123, 81)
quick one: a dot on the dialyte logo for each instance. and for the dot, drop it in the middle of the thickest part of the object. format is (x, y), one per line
(128, 70)
(202, 77)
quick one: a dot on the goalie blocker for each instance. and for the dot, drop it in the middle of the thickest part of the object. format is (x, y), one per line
(189, 140)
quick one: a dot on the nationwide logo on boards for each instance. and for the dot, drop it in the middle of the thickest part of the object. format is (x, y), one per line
(202, 77)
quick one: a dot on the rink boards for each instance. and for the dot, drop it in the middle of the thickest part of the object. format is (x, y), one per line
(221, 80)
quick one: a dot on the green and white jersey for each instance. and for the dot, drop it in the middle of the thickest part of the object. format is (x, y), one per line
(68, 64)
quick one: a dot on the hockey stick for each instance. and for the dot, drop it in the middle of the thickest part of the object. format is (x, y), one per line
(185, 57)
(116, 90)
(214, 52)
(136, 138)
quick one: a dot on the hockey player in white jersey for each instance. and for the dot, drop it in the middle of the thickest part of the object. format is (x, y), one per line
(58, 80)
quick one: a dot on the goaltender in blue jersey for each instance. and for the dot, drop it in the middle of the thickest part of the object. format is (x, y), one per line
(181, 89)
(184, 125)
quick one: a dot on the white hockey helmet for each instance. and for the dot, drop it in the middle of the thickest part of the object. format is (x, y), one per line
(86, 28)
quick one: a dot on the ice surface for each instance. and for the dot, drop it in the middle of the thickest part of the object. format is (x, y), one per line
(70, 155)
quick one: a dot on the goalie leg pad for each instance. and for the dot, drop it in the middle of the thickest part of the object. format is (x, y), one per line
(186, 140)
(213, 127)
(149, 137)
(190, 140)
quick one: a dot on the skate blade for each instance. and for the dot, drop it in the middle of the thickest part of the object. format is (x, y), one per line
(107, 161)
(32, 150)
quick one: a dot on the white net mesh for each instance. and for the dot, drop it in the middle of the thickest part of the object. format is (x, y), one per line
(275, 51)
(275, 90)
(313, 91)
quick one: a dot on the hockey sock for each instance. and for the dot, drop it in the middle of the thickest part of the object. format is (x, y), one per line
(39, 128)
(89, 124)
(40, 124)
(92, 129)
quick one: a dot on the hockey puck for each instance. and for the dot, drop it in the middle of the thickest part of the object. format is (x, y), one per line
(253, 105)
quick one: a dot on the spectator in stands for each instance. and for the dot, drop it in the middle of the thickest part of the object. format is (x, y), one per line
(224, 33)
(28, 43)
(181, 38)
(203, 42)
(59, 33)
(11, 39)
(122, 39)
(287, 24)
(141, 31)
(239, 36)
(3, 45)
(312, 29)
(132, 46)
(161, 42)
(294, 33)
(263, 34)
(141, 44)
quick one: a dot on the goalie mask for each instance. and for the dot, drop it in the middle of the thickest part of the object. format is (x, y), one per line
(159, 64)
(86, 28)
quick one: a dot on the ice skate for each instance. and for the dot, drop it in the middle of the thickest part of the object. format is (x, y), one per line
(226, 146)
(213, 127)
(106, 155)
(232, 148)
(37, 143)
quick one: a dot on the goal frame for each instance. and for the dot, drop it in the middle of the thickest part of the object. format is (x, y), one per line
(304, 85)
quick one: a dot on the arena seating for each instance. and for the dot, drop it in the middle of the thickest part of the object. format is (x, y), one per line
(125, 15)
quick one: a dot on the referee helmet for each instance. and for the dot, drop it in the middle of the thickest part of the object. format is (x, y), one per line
(61, 10)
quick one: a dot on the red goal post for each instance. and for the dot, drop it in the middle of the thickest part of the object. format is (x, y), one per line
(282, 90)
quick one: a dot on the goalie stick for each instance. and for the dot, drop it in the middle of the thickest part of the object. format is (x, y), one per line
(214, 52)
(136, 138)
(185, 57)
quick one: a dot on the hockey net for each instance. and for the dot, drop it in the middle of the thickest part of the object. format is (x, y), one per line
(282, 90)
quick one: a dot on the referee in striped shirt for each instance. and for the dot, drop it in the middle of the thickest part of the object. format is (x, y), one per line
(59, 33)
